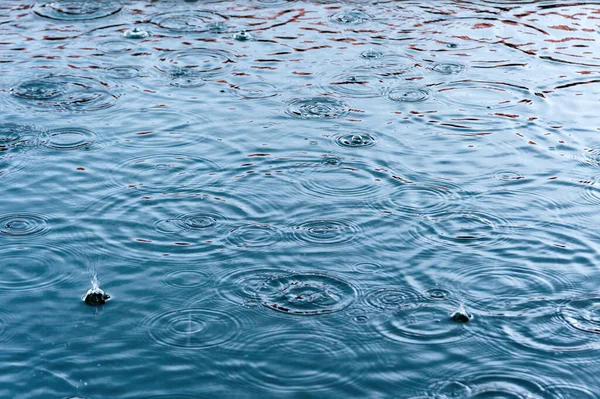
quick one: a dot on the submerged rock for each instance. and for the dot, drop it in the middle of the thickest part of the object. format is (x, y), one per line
(95, 296)
(461, 315)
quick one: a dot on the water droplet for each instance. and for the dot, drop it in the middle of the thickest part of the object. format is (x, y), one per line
(136, 33)
(356, 140)
(243, 36)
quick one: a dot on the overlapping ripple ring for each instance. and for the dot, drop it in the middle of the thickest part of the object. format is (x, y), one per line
(68, 93)
(299, 358)
(69, 138)
(29, 267)
(243, 286)
(326, 231)
(350, 179)
(254, 235)
(190, 68)
(422, 322)
(158, 172)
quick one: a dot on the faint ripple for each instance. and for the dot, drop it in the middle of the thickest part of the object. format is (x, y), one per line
(350, 179)
(420, 198)
(483, 95)
(243, 287)
(493, 384)
(160, 172)
(192, 328)
(34, 267)
(192, 67)
(391, 298)
(20, 225)
(254, 236)
(409, 94)
(69, 138)
(163, 128)
(508, 176)
(462, 228)
(255, 90)
(187, 279)
(307, 294)
(367, 268)
(356, 139)
(326, 232)
(350, 17)
(193, 21)
(317, 108)
(7, 331)
(497, 284)
(315, 359)
(65, 93)
(124, 72)
(358, 83)
(422, 323)
(78, 10)
(160, 226)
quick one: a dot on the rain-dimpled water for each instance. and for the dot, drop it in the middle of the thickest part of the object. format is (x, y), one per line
(299, 199)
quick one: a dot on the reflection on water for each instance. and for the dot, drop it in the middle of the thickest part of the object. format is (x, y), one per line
(287, 198)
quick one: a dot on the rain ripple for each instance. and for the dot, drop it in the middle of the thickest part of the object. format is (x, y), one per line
(195, 21)
(20, 225)
(317, 108)
(77, 10)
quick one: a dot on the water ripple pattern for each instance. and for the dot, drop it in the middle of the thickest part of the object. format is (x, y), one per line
(307, 294)
(77, 10)
(20, 225)
(317, 108)
(68, 93)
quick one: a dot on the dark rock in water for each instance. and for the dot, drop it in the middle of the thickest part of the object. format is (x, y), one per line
(461, 315)
(95, 296)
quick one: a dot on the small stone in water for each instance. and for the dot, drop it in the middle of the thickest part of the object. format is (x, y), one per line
(461, 315)
(95, 297)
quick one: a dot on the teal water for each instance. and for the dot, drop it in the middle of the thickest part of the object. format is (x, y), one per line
(291, 199)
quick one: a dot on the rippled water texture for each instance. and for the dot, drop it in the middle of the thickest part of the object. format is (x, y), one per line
(299, 198)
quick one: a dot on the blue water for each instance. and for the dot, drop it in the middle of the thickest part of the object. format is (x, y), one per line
(291, 199)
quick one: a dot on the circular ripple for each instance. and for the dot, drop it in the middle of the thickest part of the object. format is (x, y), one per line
(391, 298)
(190, 21)
(359, 84)
(421, 199)
(356, 140)
(65, 93)
(409, 95)
(192, 328)
(367, 267)
(159, 172)
(507, 176)
(491, 384)
(186, 279)
(584, 315)
(34, 267)
(124, 72)
(350, 17)
(422, 323)
(438, 294)
(187, 222)
(20, 225)
(78, 10)
(190, 68)
(315, 359)
(307, 294)
(254, 236)
(351, 179)
(69, 138)
(461, 228)
(448, 68)
(325, 231)
(317, 108)
(243, 287)
(483, 95)
(255, 90)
